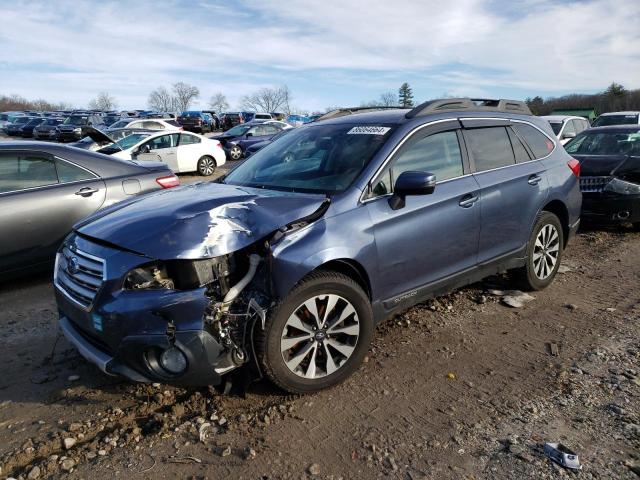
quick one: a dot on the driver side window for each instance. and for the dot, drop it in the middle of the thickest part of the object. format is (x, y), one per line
(438, 153)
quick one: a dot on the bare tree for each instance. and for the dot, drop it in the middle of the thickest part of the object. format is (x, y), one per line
(219, 103)
(161, 100)
(104, 101)
(183, 95)
(388, 99)
(268, 100)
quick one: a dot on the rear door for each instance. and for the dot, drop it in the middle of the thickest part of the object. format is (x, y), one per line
(42, 198)
(189, 152)
(433, 237)
(511, 192)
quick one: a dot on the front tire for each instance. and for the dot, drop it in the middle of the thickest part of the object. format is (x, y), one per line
(318, 335)
(206, 166)
(544, 252)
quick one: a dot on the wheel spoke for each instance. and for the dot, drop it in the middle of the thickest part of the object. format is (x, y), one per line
(295, 322)
(298, 357)
(311, 369)
(349, 330)
(344, 349)
(331, 366)
(332, 300)
(313, 310)
(348, 311)
(288, 343)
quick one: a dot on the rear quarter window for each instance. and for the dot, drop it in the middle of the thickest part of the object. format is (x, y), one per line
(538, 142)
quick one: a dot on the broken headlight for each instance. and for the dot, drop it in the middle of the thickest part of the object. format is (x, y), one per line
(620, 186)
(148, 277)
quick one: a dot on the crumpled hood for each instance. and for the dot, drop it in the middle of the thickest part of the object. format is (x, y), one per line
(604, 165)
(197, 221)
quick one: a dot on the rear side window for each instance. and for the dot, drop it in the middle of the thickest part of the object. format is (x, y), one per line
(71, 173)
(539, 144)
(186, 139)
(22, 171)
(490, 147)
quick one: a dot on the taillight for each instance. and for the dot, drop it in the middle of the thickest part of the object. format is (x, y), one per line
(574, 165)
(168, 181)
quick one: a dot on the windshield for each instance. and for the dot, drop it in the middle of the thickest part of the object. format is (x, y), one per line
(21, 120)
(322, 159)
(130, 140)
(76, 120)
(605, 143)
(120, 124)
(605, 120)
(190, 114)
(237, 130)
(556, 127)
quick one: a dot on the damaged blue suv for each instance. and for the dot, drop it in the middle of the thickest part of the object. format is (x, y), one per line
(283, 267)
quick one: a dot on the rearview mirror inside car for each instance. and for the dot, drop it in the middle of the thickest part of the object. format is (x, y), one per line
(411, 183)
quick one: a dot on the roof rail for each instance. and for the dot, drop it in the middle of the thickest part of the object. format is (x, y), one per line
(458, 104)
(341, 112)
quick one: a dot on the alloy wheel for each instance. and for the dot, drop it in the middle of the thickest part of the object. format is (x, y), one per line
(235, 153)
(320, 336)
(545, 251)
(207, 166)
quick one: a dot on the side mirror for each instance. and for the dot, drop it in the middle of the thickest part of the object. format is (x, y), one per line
(411, 183)
(569, 135)
(249, 134)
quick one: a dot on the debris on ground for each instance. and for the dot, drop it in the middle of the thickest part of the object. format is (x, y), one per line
(562, 455)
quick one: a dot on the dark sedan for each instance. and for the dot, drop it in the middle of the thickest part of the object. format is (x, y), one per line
(251, 149)
(240, 137)
(27, 130)
(45, 188)
(610, 173)
(14, 128)
(48, 130)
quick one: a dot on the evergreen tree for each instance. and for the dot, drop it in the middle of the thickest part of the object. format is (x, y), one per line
(405, 96)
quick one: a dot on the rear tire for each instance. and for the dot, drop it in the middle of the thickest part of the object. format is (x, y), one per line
(235, 153)
(206, 166)
(544, 252)
(326, 342)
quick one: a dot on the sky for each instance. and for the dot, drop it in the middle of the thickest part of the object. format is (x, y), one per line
(329, 52)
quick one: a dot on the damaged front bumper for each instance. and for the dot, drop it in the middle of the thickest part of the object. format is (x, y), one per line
(125, 332)
(610, 208)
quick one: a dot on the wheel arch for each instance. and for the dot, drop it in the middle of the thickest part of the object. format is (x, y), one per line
(560, 210)
(351, 269)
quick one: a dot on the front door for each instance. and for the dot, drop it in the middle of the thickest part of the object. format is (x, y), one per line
(435, 236)
(42, 198)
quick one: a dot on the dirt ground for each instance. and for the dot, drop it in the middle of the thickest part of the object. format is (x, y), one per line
(463, 387)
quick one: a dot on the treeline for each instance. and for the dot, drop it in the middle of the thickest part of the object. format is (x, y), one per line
(614, 99)
(16, 102)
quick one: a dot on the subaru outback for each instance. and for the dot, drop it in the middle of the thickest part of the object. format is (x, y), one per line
(283, 267)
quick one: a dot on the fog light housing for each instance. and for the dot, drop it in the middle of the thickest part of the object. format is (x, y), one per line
(173, 361)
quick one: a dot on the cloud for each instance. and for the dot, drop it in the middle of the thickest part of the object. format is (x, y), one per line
(328, 52)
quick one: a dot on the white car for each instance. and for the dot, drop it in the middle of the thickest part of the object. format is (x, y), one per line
(566, 127)
(617, 118)
(181, 151)
(146, 123)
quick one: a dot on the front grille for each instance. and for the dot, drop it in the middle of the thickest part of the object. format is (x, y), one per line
(79, 275)
(593, 184)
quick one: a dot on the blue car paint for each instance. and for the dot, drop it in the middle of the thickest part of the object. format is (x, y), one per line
(401, 256)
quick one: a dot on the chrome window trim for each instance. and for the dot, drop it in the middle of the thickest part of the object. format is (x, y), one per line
(424, 125)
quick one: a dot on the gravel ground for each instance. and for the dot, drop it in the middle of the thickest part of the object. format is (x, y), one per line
(463, 387)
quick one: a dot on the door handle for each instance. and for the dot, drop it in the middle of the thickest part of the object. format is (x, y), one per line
(534, 179)
(86, 191)
(468, 200)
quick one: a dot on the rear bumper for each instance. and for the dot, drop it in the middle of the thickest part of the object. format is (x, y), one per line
(573, 229)
(611, 208)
